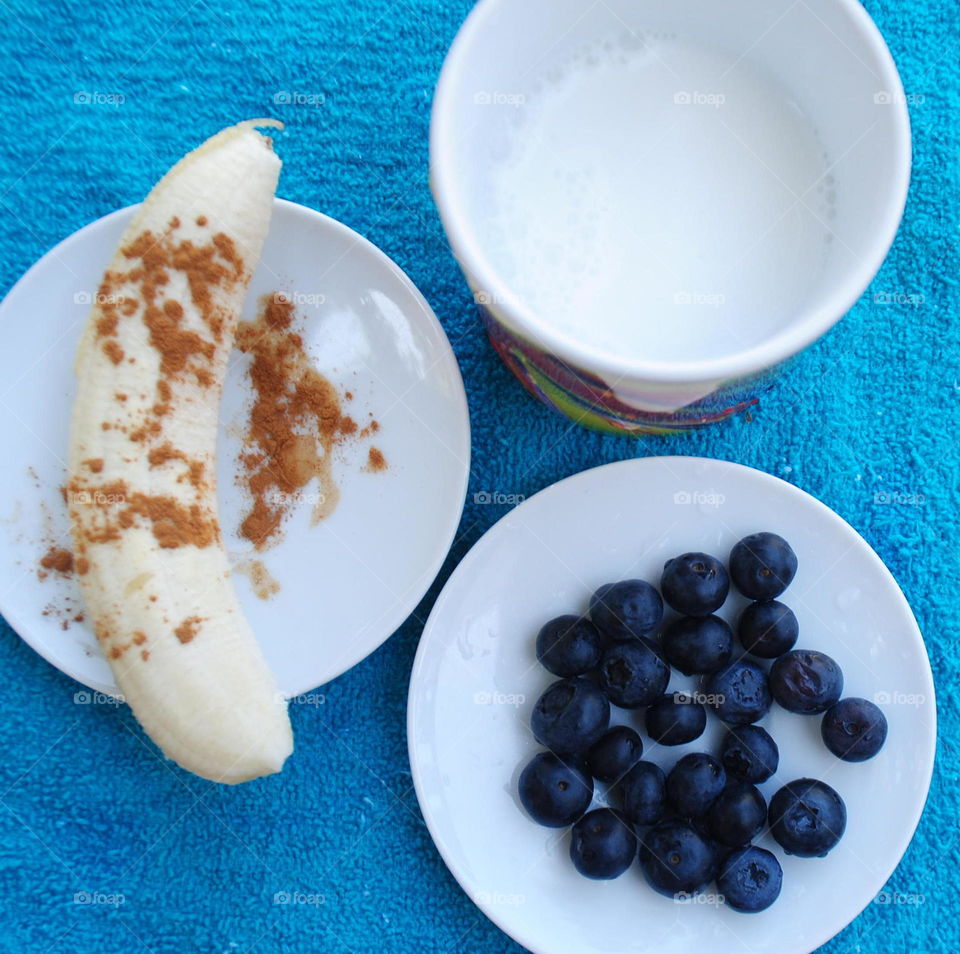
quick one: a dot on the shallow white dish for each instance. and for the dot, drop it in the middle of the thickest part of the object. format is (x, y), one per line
(347, 583)
(476, 679)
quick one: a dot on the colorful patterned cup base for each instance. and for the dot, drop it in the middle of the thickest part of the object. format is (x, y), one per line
(588, 400)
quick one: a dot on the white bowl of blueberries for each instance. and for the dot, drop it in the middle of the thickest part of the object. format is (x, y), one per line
(743, 722)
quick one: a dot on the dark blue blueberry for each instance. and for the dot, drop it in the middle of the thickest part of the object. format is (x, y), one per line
(768, 629)
(807, 818)
(749, 753)
(675, 719)
(642, 793)
(627, 609)
(694, 584)
(616, 751)
(854, 730)
(676, 859)
(554, 793)
(697, 644)
(570, 716)
(694, 783)
(750, 879)
(737, 815)
(739, 693)
(805, 681)
(569, 646)
(633, 674)
(762, 566)
(602, 844)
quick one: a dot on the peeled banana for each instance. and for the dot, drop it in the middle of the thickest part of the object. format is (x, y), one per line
(141, 486)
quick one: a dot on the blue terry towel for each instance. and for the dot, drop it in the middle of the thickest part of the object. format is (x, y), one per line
(105, 848)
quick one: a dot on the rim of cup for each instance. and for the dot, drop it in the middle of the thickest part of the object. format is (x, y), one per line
(810, 324)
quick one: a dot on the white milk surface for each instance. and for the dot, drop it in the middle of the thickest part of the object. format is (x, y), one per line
(660, 200)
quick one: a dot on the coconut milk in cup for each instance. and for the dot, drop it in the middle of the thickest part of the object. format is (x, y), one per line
(657, 205)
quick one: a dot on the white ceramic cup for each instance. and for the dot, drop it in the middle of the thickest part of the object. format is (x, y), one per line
(833, 64)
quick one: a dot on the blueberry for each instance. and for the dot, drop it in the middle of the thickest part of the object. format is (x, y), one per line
(762, 566)
(602, 844)
(554, 793)
(694, 584)
(739, 693)
(616, 751)
(749, 754)
(694, 783)
(633, 674)
(768, 629)
(750, 879)
(737, 815)
(676, 859)
(697, 644)
(675, 718)
(807, 818)
(570, 716)
(642, 793)
(806, 681)
(569, 646)
(854, 730)
(627, 609)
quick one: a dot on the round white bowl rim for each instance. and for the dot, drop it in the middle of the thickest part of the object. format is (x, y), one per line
(403, 609)
(528, 939)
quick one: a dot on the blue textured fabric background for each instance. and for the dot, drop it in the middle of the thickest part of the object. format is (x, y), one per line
(85, 805)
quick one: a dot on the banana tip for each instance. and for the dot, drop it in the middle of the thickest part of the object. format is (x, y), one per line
(265, 121)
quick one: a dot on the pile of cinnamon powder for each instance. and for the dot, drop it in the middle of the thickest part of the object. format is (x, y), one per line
(295, 424)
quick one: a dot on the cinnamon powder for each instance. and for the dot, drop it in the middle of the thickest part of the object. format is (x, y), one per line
(261, 581)
(175, 344)
(165, 453)
(57, 559)
(376, 461)
(188, 629)
(113, 351)
(174, 524)
(296, 422)
(64, 564)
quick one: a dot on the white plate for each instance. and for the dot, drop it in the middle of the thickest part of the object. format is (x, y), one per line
(346, 584)
(476, 679)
